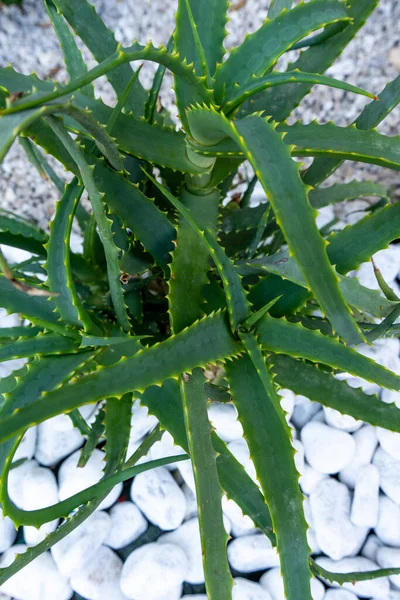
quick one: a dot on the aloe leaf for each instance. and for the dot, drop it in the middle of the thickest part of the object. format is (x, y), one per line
(353, 576)
(214, 538)
(240, 219)
(370, 117)
(118, 427)
(386, 289)
(291, 296)
(87, 24)
(340, 192)
(154, 92)
(282, 337)
(380, 330)
(93, 437)
(58, 266)
(47, 343)
(281, 101)
(16, 225)
(274, 79)
(277, 6)
(74, 62)
(12, 125)
(260, 50)
(103, 223)
(347, 143)
(16, 332)
(355, 244)
(269, 441)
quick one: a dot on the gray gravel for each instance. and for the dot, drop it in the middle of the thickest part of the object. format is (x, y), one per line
(27, 41)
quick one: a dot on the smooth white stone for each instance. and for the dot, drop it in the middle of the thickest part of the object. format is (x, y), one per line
(387, 261)
(82, 544)
(326, 449)
(378, 588)
(365, 507)
(390, 441)
(330, 508)
(195, 597)
(186, 470)
(310, 479)
(389, 472)
(272, 582)
(224, 418)
(288, 401)
(191, 502)
(39, 580)
(166, 447)
(319, 417)
(100, 577)
(26, 448)
(325, 215)
(241, 524)
(73, 479)
(141, 422)
(241, 452)
(303, 411)
(153, 571)
(344, 422)
(127, 525)
(366, 443)
(387, 558)
(388, 526)
(390, 397)
(244, 589)
(311, 537)
(251, 553)
(159, 498)
(13, 320)
(298, 456)
(187, 537)
(339, 595)
(57, 438)
(8, 533)
(371, 547)
(393, 595)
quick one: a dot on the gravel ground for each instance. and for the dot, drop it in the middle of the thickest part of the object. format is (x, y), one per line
(349, 470)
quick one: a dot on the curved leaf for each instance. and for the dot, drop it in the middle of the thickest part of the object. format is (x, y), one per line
(340, 192)
(47, 343)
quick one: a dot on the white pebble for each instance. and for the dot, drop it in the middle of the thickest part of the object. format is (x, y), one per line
(99, 578)
(377, 588)
(187, 537)
(8, 533)
(303, 411)
(141, 422)
(153, 571)
(244, 589)
(326, 449)
(365, 507)
(56, 439)
(366, 443)
(344, 422)
(127, 524)
(298, 456)
(288, 401)
(330, 508)
(390, 442)
(166, 447)
(73, 479)
(388, 558)
(310, 479)
(241, 452)
(371, 547)
(224, 418)
(251, 553)
(241, 524)
(272, 581)
(186, 470)
(82, 544)
(339, 595)
(26, 448)
(390, 397)
(388, 526)
(39, 580)
(191, 502)
(159, 498)
(389, 472)
(196, 597)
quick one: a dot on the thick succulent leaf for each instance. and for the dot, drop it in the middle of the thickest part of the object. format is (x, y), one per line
(73, 59)
(277, 6)
(18, 331)
(291, 296)
(271, 450)
(356, 243)
(154, 92)
(238, 219)
(281, 101)
(310, 381)
(12, 125)
(87, 24)
(103, 222)
(260, 50)
(351, 577)
(341, 192)
(282, 337)
(118, 428)
(369, 118)
(93, 436)
(214, 538)
(262, 145)
(47, 343)
(58, 266)
(347, 143)
(18, 226)
(369, 301)
(40, 163)
(258, 84)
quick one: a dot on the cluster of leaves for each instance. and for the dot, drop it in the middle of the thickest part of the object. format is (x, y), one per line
(174, 278)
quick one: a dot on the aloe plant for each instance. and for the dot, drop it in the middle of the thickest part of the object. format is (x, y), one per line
(174, 277)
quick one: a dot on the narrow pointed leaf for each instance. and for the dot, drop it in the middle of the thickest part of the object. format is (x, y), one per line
(47, 343)
(277, 6)
(341, 192)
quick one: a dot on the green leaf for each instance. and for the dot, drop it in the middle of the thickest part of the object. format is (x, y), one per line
(47, 343)
(262, 145)
(281, 101)
(282, 337)
(93, 438)
(214, 538)
(319, 386)
(348, 143)
(87, 24)
(16, 332)
(12, 125)
(291, 296)
(341, 192)
(154, 92)
(58, 266)
(260, 50)
(16, 225)
(103, 223)
(118, 428)
(277, 6)
(352, 577)
(271, 450)
(239, 219)
(74, 62)
(369, 118)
